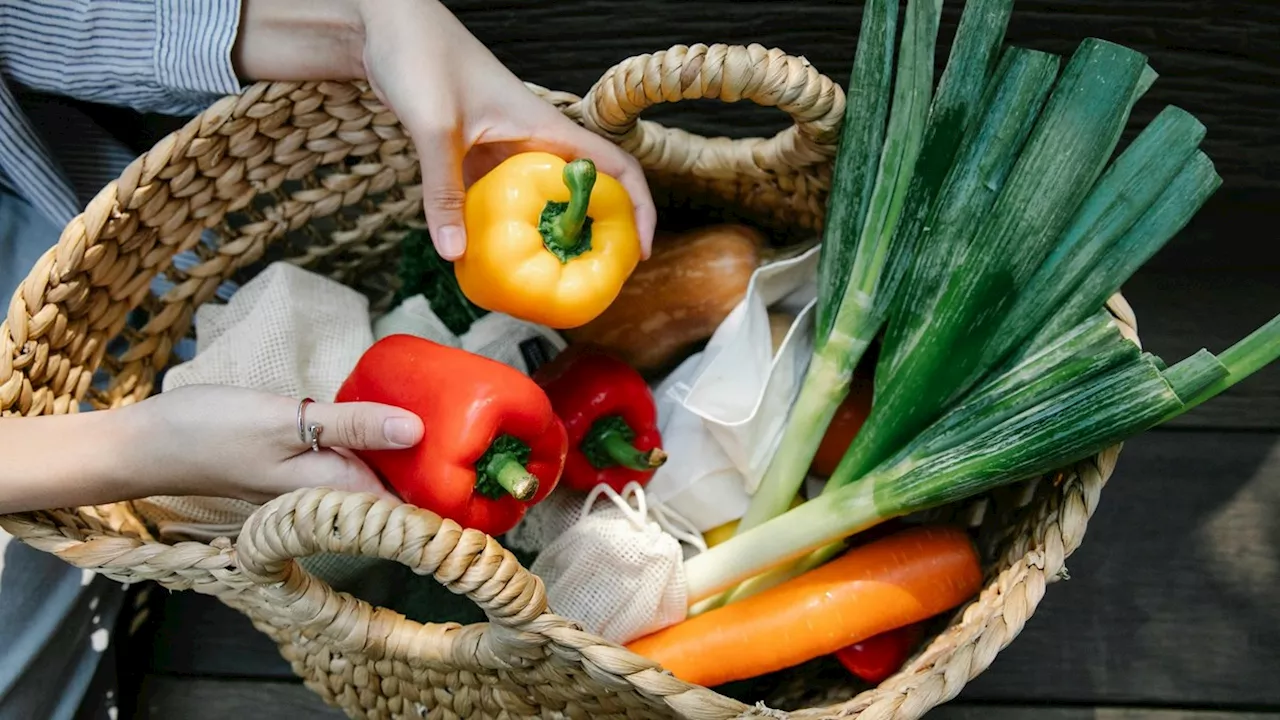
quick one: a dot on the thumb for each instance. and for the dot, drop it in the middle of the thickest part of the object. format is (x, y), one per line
(334, 469)
(363, 426)
(443, 192)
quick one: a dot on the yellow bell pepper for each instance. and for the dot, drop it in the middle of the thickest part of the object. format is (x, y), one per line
(548, 241)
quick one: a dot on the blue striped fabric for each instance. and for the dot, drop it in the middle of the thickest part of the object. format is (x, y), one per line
(165, 56)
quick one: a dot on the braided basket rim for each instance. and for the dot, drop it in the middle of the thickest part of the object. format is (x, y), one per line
(50, 345)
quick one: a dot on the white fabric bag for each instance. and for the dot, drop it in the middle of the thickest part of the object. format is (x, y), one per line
(288, 331)
(619, 570)
(699, 481)
(743, 390)
(722, 411)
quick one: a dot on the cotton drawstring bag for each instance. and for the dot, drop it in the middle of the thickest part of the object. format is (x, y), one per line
(637, 547)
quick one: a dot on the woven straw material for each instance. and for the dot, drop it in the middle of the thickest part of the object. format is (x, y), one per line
(323, 175)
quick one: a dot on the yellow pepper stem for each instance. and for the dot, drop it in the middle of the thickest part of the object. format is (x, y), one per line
(565, 227)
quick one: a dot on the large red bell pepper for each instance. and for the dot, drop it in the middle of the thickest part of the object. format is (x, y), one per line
(492, 445)
(609, 414)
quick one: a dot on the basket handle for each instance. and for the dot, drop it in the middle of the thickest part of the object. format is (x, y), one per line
(319, 520)
(729, 73)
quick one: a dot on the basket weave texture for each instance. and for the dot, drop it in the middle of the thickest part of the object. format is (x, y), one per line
(323, 175)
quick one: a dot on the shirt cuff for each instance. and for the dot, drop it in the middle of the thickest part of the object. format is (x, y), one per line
(193, 46)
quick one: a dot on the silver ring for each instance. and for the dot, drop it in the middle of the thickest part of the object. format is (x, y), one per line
(308, 433)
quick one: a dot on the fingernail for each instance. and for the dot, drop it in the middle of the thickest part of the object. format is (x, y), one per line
(452, 241)
(402, 431)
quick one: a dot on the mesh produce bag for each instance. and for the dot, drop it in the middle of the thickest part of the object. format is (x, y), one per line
(619, 570)
(288, 331)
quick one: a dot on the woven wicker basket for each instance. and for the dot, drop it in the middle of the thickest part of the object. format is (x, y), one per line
(323, 175)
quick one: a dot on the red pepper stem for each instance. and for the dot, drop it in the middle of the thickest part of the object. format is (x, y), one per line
(513, 477)
(580, 177)
(608, 443)
(501, 470)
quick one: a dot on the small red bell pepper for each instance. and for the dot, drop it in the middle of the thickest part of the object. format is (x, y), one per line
(609, 414)
(879, 657)
(848, 420)
(492, 445)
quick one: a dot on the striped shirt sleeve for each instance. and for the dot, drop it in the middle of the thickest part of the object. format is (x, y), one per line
(165, 56)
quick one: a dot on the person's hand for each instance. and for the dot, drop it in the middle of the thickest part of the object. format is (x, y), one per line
(465, 111)
(222, 441)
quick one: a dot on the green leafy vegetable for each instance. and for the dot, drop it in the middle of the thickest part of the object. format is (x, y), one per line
(423, 272)
(939, 352)
(856, 323)
(1181, 200)
(854, 174)
(1103, 406)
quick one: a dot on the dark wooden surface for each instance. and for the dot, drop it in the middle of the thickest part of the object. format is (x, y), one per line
(1217, 58)
(204, 699)
(1175, 596)
(1172, 611)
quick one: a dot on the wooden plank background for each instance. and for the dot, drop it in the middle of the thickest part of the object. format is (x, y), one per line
(169, 698)
(1173, 606)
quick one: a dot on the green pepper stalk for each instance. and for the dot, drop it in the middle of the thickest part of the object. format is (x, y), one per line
(566, 227)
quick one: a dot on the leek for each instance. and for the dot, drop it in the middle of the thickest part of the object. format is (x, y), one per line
(1191, 376)
(989, 241)
(973, 60)
(946, 335)
(1259, 349)
(1080, 421)
(1092, 347)
(1129, 188)
(1053, 430)
(1194, 185)
(854, 173)
(1012, 104)
(837, 351)
(1013, 100)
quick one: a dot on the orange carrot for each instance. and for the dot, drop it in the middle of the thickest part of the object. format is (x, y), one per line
(897, 580)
